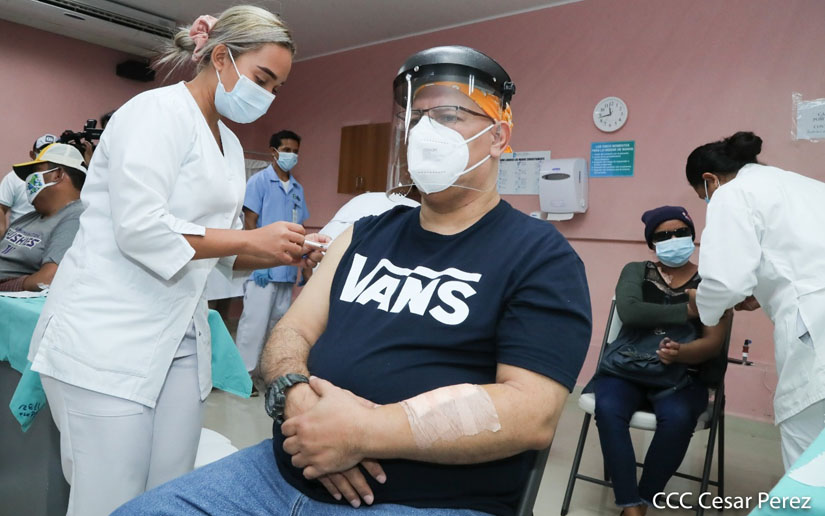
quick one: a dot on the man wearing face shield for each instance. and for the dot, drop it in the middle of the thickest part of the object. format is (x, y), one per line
(433, 347)
(35, 243)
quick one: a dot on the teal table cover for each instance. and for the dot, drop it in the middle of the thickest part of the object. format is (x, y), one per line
(18, 317)
(790, 497)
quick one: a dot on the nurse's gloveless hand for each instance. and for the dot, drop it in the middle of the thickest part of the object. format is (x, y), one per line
(313, 253)
(280, 242)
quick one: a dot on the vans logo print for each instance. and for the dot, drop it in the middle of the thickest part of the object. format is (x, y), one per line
(396, 288)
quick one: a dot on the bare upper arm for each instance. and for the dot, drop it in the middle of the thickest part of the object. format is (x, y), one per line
(708, 345)
(309, 313)
(533, 405)
(544, 393)
(716, 334)
(250, 219)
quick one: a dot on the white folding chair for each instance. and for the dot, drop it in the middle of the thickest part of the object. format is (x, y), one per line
(712, 419)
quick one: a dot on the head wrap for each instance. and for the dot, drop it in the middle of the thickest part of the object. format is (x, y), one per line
(489, 103)
(199, 32)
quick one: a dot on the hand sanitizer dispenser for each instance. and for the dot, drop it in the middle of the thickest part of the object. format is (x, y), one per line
(563, 188)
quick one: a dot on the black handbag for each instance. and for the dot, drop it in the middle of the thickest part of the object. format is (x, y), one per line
(632, 357)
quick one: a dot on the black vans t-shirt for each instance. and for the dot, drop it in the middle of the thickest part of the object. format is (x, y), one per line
(412, 311)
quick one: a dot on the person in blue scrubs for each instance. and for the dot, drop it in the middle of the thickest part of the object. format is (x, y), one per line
(272, 195)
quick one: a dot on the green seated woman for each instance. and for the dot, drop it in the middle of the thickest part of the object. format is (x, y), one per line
(651, 296)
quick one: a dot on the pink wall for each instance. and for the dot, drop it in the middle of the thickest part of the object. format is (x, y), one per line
(690, 72)
(51, 83)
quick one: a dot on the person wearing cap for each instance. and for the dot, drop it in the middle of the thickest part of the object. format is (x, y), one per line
(33, 246)
(122, 345)
(651, 295)
(13, 200)
(443, 340)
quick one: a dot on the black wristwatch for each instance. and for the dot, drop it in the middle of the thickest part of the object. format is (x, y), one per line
(275, 401)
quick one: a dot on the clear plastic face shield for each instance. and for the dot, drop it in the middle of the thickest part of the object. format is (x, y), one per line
(444, 121)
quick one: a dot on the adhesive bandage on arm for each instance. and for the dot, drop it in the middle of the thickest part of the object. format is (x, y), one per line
(449, 413)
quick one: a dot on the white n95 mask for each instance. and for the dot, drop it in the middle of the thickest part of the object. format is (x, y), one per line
(437, 155)
(36, 183)
(246, 102)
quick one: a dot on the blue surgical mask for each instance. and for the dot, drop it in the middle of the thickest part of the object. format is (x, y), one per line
(676, 251)
(287, 160)
(246, 102)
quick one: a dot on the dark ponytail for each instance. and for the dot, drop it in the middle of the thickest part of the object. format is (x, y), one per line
(723, 157)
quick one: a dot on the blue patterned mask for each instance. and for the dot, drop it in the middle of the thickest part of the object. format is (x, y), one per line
(36, 183)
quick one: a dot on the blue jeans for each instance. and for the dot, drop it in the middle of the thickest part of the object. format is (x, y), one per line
(676, 416)
(248, 482)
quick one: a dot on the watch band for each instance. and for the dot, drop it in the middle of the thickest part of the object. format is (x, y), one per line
(275, 402)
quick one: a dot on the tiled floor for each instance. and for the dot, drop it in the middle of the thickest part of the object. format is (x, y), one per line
(752, 457)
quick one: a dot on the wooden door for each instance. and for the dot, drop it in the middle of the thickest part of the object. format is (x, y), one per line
(362, 166)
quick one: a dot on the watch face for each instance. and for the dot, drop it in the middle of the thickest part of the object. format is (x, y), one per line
(610, 114)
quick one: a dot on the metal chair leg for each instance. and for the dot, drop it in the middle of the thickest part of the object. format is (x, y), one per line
(720, 461)
(574, 470)
(714, 427)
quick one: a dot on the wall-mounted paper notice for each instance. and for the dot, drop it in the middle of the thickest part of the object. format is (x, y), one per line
(518, 172)
(809, 118)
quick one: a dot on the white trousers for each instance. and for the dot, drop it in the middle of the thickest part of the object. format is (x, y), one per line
(800, 430)
(263, 307)
(113, 449)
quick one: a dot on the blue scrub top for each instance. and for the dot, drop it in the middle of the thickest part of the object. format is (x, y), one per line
(265, 196)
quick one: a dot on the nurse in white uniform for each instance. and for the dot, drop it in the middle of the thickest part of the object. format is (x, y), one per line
(123, 344)
(764, 244)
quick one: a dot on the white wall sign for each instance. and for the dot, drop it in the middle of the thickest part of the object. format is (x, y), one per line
(810, 118)
(518, 172)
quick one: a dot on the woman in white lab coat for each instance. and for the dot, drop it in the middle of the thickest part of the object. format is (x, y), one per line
(764, 244)
(123, 344)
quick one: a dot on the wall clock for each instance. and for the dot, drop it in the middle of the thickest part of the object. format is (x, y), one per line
(610, 114)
